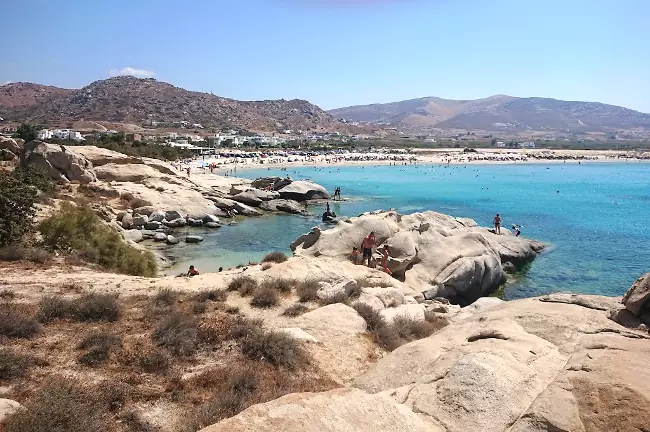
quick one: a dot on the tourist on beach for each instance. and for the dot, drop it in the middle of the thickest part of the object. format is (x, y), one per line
(516, 229)
(497, 224)
(355, 255)
(188, 171)
(367, 245)
(192, 272)
(384, 259)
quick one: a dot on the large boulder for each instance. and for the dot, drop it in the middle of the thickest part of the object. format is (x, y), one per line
(9, 144)
(140, 220)
(193, 239)
(99, 156)
(303, 191)
(282, 205)
(59, 162)
(525, 365)
(433, 253)
(337, 410)
(127, 220)
(637, 298)
(255, 197)
(126, 172)
(7, 408)
(157, 216)
(245, 210)
(133, 235)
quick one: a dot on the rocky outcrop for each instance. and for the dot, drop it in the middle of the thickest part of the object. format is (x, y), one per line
(338, 410)
(61, 163)
(303, 191)
(10, 145)
(126, 172)
(255, 197)
(524, 365)
(99, 156)
(637, 298)
(431, 252)
(7, 408)
(286, 206)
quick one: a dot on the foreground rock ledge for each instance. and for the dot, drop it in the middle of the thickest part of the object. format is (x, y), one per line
(555, 363)
(438, 255)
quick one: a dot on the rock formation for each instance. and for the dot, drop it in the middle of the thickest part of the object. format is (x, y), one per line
(437, 254)
(61, 163)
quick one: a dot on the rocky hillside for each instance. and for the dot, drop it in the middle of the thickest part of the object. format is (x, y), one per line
(134, 100)
(498, 113)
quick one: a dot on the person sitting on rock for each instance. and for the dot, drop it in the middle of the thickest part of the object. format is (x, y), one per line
(355, 255)
(367, 245)
(384, 259)
(516, 229)
(192, 272)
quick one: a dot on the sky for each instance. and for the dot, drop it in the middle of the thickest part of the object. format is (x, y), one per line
(337, 53)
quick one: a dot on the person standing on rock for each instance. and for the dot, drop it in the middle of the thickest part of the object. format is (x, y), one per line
(497, 224)
(367, 245)
(384, 259)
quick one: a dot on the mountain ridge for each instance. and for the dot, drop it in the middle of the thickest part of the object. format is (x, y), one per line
(138, 100)
(498, 112)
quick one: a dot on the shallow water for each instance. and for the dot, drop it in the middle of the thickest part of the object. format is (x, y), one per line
(594, 215)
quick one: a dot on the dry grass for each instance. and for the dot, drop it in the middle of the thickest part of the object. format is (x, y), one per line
(178, 333)
(266, 266)
(215, 295)
(166, 297)
(241, 326)
(275, 257)
(245, 285)
(366, 282)
(295, 310)
(99, 345)
(6, 294)
(340, 297)
(277, 348)
(19, 253)
(283, 285)
(62, 405)
(373, 317)
(410, 329)
(16, 321)
(134, 422)
(149, 359)
(307, 290)
(16, 365)
(91, 307)
(438, 321)
(265, 297)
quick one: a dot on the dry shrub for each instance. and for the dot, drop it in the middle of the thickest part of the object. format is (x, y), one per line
(366, 282)
(134, 422)
(410, 329)
(20, 253)
(386, 337)
(215, 295)
(199, 308)
(340, 297)
(62, 405)
(307, 290)
(245, 285)
(242, 384)
(150, 359)
(241, 326)
(16, 321)
(16, 365)
(282, 285)
(178, 333)
(275, 257)
(92, 307)
(372, 316)
(277, 348)
(166, 297)
(6, 294)
(438, 321)
(99, 345)
(266, 266)
(265, 297)
(295, 310)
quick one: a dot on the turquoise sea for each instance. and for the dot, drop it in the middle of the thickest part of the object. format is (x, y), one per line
(595, 216)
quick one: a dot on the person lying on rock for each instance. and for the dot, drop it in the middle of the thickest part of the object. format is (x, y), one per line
(367, 245)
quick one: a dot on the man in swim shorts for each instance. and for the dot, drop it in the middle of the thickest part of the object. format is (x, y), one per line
(367, 245)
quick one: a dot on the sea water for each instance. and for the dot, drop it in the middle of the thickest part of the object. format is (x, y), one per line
(594, 216)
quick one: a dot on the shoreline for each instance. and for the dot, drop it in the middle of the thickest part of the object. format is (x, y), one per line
(448, 157)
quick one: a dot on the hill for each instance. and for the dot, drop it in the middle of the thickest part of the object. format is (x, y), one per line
(132, 100)
(499, 112)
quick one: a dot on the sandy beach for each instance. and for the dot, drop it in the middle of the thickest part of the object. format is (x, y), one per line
(227, 165)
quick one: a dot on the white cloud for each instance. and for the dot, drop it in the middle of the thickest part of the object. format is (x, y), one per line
(138, 73)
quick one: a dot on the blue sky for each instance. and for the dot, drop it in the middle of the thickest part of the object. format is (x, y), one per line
(336, 52)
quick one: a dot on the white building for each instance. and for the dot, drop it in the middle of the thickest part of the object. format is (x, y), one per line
(528, 144)
(172, 135)
(44, 134)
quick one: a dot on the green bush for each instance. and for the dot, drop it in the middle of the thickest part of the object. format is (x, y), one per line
(79, 229)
